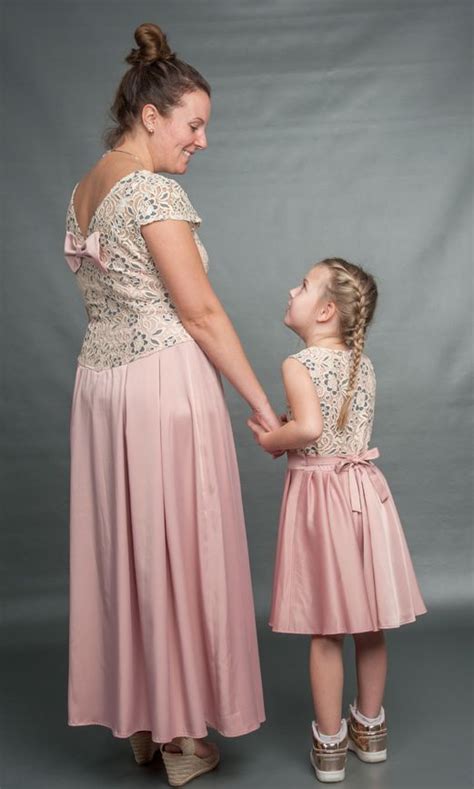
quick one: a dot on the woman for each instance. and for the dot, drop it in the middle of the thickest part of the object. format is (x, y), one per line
(162, 628)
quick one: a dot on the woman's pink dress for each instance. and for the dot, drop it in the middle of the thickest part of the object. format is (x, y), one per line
(342, 563)
(162, 625)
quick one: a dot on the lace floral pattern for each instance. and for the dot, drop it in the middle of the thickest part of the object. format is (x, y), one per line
(129, 310)
(329, 370)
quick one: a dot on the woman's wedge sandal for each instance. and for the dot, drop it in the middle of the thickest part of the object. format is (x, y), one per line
(186, 765)
(143, 747)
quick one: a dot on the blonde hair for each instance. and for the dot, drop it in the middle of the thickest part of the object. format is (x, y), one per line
(354, 293)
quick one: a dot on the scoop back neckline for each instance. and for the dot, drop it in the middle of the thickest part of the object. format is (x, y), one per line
(105, 197)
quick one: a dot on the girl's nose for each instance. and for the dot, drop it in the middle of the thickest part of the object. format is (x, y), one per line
(293, 292)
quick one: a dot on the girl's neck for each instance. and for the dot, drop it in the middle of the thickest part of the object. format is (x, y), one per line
(331, 341)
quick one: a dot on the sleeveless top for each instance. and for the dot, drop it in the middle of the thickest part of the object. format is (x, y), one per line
(130, 313)
(329, 370)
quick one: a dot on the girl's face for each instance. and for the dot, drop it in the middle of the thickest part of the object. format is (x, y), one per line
(306, 300)
(180, 134)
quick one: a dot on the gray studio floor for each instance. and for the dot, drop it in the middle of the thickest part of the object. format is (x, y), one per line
(428, 704)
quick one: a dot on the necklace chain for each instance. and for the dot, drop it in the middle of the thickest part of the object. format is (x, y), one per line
(120, 150)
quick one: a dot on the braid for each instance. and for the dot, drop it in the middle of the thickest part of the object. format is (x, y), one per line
(358, 341)
(355, 294)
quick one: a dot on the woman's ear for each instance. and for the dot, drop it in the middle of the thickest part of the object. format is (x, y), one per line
(150, 116)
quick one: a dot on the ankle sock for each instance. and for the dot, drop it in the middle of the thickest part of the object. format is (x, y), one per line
(364, 719)
(330, 739)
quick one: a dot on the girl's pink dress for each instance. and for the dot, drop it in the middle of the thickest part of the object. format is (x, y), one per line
(162, 626)
(342, 563)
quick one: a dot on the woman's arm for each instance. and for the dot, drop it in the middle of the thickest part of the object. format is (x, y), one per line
(177, 259)
(307, 423)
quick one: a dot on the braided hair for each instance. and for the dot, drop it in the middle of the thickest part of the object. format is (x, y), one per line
(354, 293)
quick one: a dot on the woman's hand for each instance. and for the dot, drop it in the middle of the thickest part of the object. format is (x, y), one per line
(259, 434)
(266, 417)
(258, 431)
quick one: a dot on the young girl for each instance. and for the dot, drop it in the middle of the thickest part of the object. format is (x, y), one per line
(342, 563)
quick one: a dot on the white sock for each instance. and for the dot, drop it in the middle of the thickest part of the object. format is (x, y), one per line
(364, 719)
(330, 739)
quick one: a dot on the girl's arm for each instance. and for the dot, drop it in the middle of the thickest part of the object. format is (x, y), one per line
(307, 423)
(177, 259)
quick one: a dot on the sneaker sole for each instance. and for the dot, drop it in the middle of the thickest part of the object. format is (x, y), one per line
(369, 757)
(326, 777)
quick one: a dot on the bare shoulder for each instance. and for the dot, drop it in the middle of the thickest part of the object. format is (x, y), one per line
(100, 179)
(291, 363)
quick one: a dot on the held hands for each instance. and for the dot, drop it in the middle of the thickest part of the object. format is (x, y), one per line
(260, 431)
(257, 430)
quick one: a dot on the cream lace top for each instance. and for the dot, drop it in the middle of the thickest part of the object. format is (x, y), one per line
(129, 310)
(329, 370)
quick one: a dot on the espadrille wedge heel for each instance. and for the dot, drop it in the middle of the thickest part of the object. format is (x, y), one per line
(143, 747)
(183, 767)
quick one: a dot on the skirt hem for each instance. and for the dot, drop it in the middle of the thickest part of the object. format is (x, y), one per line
(225, 733)
(326, 632)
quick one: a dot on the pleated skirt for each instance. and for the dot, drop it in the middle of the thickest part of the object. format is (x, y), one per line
(162, 625)
(342, 561)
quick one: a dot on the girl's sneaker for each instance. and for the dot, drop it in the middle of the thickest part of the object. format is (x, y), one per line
(329, 759)
(369, 743)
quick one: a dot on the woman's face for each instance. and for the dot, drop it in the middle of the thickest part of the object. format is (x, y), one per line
(182, 133)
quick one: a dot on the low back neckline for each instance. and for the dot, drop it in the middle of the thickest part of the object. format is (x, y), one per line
(101, 202)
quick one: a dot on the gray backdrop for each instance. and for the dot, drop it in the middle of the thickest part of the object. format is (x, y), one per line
(339, 127)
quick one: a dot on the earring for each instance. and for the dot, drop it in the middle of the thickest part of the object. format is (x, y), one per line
(150, 129)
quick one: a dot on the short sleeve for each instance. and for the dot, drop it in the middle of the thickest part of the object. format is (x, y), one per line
(157, 198)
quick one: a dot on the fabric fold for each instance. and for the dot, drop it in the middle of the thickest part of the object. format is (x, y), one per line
(342, 562)
(162, 620)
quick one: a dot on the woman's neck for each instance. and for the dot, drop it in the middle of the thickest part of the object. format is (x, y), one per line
(136, 147)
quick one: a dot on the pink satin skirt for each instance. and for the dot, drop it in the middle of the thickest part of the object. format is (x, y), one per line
(162, 625)
(342, 562)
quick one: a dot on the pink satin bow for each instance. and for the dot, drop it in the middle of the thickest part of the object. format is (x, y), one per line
(74, 251)
(351, 462)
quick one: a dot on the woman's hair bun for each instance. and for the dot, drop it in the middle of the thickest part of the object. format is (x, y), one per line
(152, 46)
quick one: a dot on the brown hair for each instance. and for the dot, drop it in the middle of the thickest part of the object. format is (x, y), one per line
(354, 292)
(157, 76)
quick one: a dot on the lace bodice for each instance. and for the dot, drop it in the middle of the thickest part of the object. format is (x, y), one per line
(329, 370)
(129, 310)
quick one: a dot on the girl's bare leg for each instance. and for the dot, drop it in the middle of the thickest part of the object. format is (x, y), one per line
(327, 679)
(371, 664)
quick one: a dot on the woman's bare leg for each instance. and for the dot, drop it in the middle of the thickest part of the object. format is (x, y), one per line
(202, 747)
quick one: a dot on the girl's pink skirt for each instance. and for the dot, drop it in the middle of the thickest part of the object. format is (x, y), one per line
(342, 563)
(162, 625)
